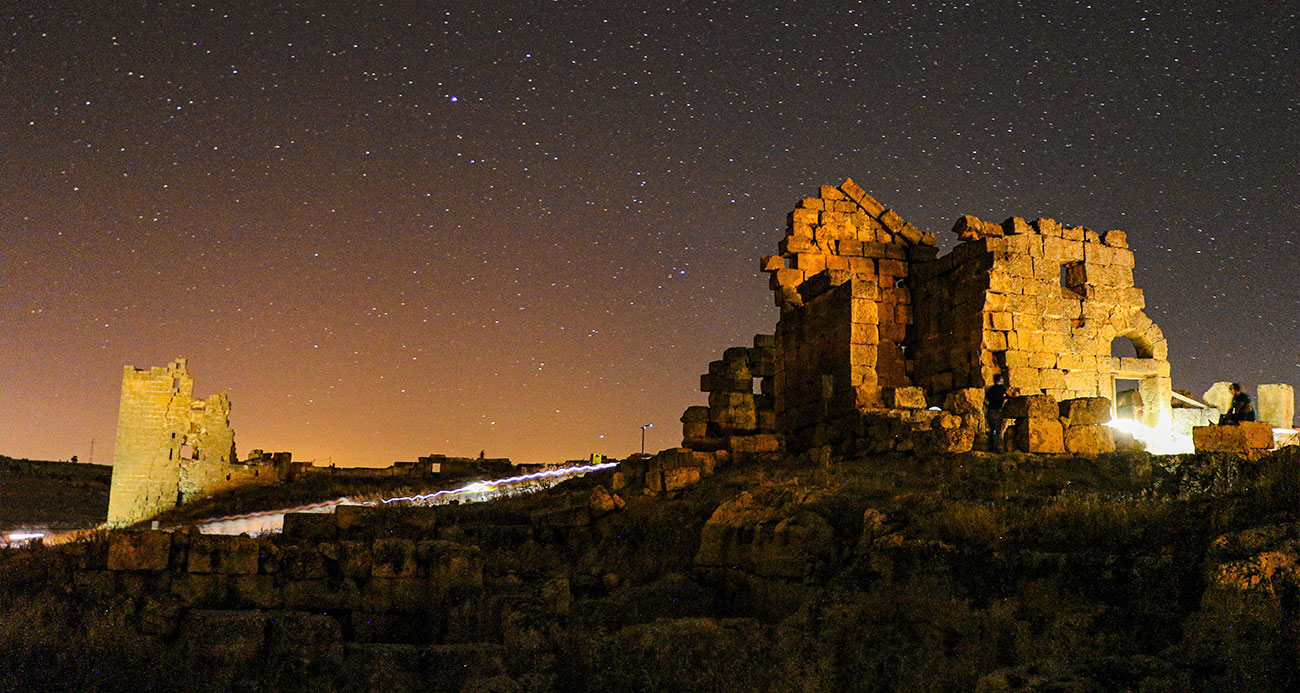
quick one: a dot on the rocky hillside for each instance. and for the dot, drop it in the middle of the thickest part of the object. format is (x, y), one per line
(895, 573)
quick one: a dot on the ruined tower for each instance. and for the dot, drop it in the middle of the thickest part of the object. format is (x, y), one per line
(168, 443)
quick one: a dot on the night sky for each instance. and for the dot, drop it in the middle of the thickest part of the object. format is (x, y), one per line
(525, 228)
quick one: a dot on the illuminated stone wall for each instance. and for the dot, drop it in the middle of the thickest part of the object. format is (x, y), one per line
(869, 311)
(170, 447)
(1042, 304)
(841, 282)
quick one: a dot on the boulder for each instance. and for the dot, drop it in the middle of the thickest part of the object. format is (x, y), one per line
(603, 502)
(764, 533)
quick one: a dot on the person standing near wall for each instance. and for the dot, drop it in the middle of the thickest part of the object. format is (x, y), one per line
(994, 397)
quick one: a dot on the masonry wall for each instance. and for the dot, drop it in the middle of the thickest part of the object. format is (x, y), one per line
(869, 310)
(1042, 304)
(170, 447)
(840, 281)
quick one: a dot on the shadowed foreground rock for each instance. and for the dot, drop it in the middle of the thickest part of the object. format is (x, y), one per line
(972, 571)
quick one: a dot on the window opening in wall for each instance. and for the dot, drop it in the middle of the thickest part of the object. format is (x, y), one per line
(1123, 347)
(1126, 399)
(1074, 278)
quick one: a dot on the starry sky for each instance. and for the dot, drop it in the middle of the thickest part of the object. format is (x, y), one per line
(392, 229)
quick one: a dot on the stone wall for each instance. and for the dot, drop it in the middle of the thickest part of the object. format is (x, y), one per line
(868, 311)
(1042, 304)
(171, 447)
(736, 418)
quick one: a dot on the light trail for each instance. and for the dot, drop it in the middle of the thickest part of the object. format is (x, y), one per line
(273, 520)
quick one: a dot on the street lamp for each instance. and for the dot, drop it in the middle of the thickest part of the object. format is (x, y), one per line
(643, 428)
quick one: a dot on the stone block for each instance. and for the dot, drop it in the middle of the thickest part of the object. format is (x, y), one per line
(354, 559)
(310, 526)
(303, 562)
(223, 640)
(965, 401)
(1219, 396)
(255, 592)
(1277, 405)
(695, 430)
(214, 553)
(1085, 411)
(1031, 406)
(1040, 435)
(830, 192)
(1248, 438)
(453, 565)
(904, 398)
(393, 558)
(696, 414)
(755, 443)
(139, 550)
(397, 595)
(1090, 440)
(202, 590)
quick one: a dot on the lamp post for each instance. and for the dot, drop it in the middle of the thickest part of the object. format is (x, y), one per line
(643, 428)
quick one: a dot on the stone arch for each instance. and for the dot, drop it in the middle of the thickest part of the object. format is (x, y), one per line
(1148, 340)
(1150, 368)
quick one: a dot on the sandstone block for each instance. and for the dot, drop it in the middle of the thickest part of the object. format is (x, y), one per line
(1247, 438)
(354, 559)
(967, 400)
(393, 558)
(222, 639)
(212, 553)
(1031, 406)
(1085, 411)
(1039, 435)
(771, 263)
(754, 443)
(314, 526)
(1090, 440)
(890, 219)
(601, 502)
(830, 192)
(1277, 405)
(139, 550)
(1219, 396)
(905, 398)
(804, 216)
(696, 414)
(454, 565)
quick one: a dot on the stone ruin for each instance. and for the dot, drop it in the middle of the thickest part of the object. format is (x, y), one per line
(883, 345)
(172, 447)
